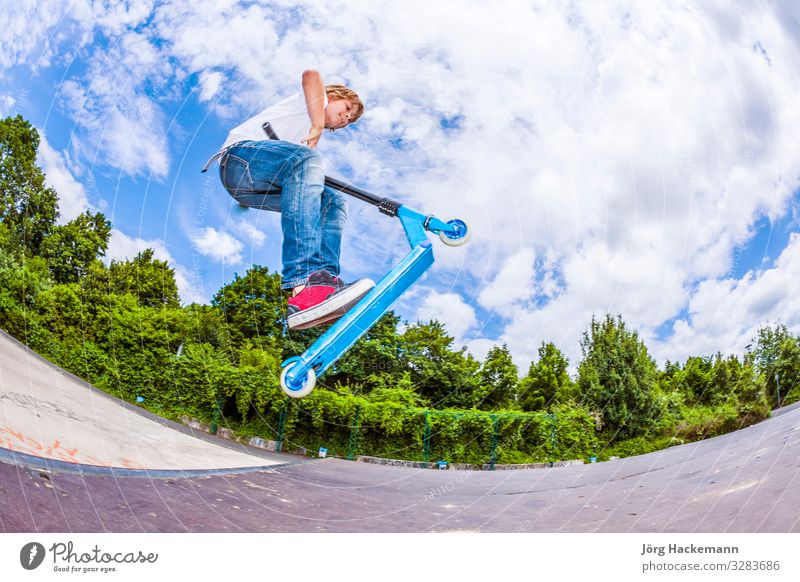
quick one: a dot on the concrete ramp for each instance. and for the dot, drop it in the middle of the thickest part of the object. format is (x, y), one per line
(51, 414)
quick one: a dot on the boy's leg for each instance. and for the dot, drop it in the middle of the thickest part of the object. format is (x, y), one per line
(301, 218)
(286, 178)
(334, 218)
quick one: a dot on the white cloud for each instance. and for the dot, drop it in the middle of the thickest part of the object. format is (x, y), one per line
(7, 103)
(122, 247)
(254, 235)
(72, 199)
(115, 16)
(641, 286)
(725, 314)
(115, 101)
(25, 27)
(219, 245)
(122, 127)
(515, 282)
(449, 309)
(210, 82)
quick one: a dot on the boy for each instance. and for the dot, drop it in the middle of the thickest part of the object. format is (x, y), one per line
(286, 176)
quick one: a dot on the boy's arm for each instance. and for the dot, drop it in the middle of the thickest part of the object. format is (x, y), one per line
(314, 91)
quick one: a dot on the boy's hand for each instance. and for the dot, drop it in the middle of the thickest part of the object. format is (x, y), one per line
(313, 136)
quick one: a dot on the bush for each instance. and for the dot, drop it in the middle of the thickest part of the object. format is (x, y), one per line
(701, 422)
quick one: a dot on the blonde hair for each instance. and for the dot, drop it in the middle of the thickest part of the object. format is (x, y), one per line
(336, 92)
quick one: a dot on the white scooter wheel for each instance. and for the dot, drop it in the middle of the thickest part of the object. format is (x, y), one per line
(298, 389)
(456, 239)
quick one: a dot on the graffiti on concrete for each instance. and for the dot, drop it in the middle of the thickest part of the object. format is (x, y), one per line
(19, 442)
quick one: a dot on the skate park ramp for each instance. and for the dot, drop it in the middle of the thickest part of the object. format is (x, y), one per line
(48, 413)
(745, 481)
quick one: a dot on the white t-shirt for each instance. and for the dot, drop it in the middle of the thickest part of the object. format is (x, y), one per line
(289, 120)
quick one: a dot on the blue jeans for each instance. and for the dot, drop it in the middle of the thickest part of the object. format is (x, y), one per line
(288, 178)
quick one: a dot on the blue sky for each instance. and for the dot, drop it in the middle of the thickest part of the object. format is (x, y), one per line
(614, 158)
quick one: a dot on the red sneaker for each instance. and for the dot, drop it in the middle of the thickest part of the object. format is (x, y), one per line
(324, 299)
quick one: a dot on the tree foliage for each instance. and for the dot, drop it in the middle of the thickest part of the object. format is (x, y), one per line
(28, 208)
(151, 281)
(443, 376)
(71, 248)
(547, 381)
(617, 378)
(252, 306)
(777, 359)
(498, 380)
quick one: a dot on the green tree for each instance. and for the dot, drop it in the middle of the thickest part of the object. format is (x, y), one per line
(784, 380)
(151, 281)
(750, 392)
(499, 378)
(206, 325)
(696, 379)
(768, 346)
(21, 284)
(72, 247)
(445, 377)
(260, 378)
(547, 381)
(725, 375)
(28, 208)
(253, 306)
(617, 377)
(400, 390)
(777, 358)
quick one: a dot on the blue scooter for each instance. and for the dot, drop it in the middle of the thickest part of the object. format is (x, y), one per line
(300, 373)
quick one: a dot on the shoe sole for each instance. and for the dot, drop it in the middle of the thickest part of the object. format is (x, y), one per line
(332, 308)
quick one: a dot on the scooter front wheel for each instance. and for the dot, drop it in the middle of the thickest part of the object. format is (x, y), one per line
(458, 238)
(297, 387)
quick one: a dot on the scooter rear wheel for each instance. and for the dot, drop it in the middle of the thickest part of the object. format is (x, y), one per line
(297, 388)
